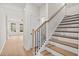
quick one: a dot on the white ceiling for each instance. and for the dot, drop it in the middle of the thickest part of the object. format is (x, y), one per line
(21, 5)
(38, 4)
(72, 4)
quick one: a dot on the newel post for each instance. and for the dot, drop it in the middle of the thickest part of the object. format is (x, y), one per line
(47, 34)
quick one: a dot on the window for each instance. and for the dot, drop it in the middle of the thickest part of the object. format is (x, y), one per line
(13, 27)
(21, 27)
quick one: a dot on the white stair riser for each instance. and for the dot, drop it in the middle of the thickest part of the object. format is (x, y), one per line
(72, 25)
(73, 17)
(69, 22)
(76, 19)
(68, 29)
(66, 40)
(68, 34)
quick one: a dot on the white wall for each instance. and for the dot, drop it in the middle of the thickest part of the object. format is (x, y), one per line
(43, 12)
(14, 15)
(54, 22)
(53, 8)
(2, 28)
(72, 9)
(51, 25)
(49, 9)
(31, 21)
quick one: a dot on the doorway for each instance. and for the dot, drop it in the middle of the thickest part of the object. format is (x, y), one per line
(14, 42)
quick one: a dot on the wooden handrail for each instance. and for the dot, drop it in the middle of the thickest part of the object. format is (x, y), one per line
(50, 17)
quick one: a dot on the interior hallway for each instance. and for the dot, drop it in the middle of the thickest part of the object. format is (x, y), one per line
(14, 47)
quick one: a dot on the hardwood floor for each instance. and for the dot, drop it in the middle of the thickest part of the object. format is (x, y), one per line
(14, 47)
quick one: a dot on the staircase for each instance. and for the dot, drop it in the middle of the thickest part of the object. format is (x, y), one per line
(64, 41)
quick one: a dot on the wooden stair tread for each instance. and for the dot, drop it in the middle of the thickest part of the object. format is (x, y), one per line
(67, 31)
(46, 53)
(61, 51)
(64, 43)
(34, 49)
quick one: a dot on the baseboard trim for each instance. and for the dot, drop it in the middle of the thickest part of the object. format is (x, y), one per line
(2, 47)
